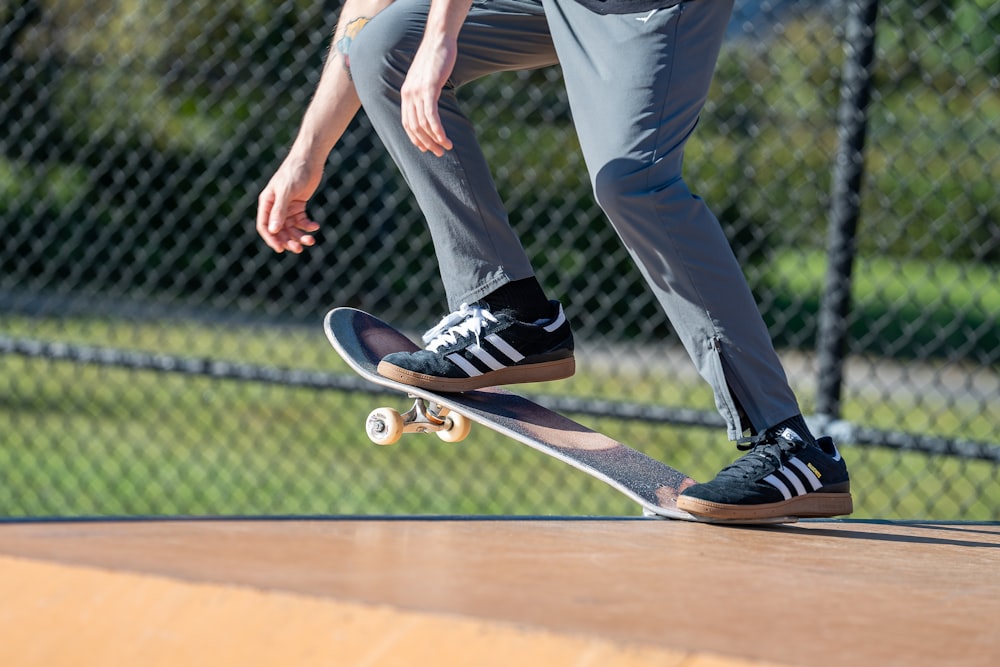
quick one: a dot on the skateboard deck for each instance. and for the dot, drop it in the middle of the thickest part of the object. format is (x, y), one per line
(363, 340)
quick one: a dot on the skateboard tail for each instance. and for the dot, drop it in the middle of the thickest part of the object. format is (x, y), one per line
(362, 340)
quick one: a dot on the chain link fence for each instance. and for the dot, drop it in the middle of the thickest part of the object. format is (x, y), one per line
(158, 359)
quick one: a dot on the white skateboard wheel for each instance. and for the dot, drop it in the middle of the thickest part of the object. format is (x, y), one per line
(459, 429)
(384, 426)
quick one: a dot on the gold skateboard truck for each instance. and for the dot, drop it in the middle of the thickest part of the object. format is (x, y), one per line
(385, 426)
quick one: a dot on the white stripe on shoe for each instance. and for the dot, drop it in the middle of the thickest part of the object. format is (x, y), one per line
(462, 363)
(556, 323)
(503, 346)
(482, 355)
(790, 484)
(807, 474)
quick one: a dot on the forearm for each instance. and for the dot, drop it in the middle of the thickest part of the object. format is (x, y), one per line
(445, 18)
(335, 101)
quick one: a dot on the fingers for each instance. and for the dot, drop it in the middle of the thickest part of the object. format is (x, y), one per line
(284, 227)
(296, 234)
(295, 237)
(265, 206)
(422, 123)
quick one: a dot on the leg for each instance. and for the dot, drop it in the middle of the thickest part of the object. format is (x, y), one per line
(476, 248)
(633, 135)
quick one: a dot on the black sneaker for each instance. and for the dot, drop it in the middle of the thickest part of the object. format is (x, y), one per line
(475, 347)
(780, 476)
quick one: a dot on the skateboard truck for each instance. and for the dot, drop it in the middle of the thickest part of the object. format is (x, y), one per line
(385, 426)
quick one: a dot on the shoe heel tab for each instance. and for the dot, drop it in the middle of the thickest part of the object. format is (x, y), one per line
(825, 443)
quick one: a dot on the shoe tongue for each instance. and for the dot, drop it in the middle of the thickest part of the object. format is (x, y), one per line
(789, 434)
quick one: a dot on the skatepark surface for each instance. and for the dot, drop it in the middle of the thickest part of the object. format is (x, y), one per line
(497, 591)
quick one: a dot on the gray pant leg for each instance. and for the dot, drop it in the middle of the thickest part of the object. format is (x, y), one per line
(476, 248)
(636, 85)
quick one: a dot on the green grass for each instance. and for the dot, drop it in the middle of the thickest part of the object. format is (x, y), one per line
(83, 439)
(881, 282)
(904, 309)
(91, 440)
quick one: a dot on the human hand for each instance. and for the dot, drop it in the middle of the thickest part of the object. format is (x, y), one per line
(282, 220)
(421, 93)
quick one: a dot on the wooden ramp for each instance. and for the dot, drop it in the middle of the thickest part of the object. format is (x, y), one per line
(497, 592)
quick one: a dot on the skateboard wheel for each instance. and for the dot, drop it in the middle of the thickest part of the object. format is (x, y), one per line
(459, 429)
(384, 426)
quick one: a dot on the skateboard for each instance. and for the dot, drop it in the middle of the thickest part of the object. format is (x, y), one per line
(363, 340)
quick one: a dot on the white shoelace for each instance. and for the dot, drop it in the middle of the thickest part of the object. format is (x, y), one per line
(464, 321)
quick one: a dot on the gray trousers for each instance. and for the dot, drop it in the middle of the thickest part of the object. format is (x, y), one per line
(636, 85)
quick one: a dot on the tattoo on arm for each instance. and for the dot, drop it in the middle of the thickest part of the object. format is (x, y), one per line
(343, 44)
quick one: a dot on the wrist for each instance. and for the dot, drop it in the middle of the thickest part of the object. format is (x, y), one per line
(308, 152)
(445, 19)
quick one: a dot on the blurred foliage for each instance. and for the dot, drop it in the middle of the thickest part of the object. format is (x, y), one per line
(140, 133)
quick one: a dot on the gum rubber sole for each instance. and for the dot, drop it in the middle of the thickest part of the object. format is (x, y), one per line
(809, 506)
(547, 371)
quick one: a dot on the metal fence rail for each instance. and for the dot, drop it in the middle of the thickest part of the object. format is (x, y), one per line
(155, 358)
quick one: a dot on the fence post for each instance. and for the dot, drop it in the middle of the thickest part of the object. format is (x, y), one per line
(852, 125)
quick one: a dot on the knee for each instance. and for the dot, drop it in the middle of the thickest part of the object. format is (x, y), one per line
(364, 55)
(626, 184)
(379, 51)
(610, 185)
